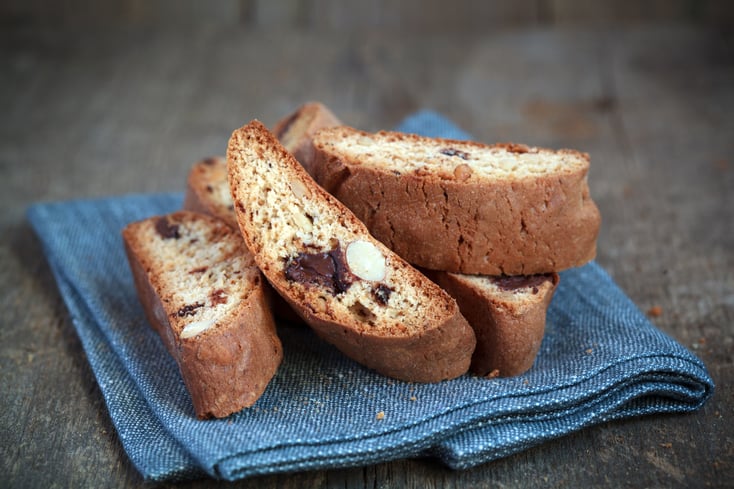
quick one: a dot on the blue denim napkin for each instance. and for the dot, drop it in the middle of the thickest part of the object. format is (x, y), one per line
(600, 360)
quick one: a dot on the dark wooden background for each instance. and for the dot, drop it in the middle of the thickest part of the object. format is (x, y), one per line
(429, 16)
(104, 98)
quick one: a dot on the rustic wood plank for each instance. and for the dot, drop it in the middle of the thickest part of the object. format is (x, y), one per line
(99, 113)
(53, 385)
(426, 16)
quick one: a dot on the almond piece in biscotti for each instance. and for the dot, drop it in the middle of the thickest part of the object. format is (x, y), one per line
(365, 261)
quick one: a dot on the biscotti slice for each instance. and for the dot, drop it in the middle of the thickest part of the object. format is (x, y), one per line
(508, 316)
(207, 190)
(462, 206)
(295, 131)
(350, 288)
(203, 294)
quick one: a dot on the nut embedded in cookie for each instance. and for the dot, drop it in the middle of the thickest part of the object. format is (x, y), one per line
(365, 261)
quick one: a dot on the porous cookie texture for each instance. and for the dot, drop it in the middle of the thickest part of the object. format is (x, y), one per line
(207, 190)
(508, 315)
(350, 288)
(464, 207)
(296, 130)
(203, 294)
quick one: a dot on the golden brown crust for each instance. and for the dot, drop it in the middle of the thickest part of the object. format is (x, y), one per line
(230, 370)
(228, 366)
(295, 131)
(443, 352)
(509, 323)
(460, 221)
(429, 344)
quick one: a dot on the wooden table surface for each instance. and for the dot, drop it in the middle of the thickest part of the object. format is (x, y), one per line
(97, 113)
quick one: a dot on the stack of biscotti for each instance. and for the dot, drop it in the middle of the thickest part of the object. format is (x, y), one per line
(204, 295)
(493, 224)
(508, 315)
(355, 292)
(350, 288)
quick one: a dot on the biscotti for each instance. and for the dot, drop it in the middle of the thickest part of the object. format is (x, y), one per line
(207, 190)
(462, 206)
(508, 315)
(203, 294)
(296, 130)
(351, 289)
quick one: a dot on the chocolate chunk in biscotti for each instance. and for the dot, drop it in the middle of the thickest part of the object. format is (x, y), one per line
(328, 270)
(464, 207)
(204, 295)
(166, 229)
(351, 289)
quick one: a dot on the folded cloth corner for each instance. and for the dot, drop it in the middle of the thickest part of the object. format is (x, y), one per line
(600, 360)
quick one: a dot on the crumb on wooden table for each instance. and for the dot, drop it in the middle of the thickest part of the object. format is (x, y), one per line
(655, 311)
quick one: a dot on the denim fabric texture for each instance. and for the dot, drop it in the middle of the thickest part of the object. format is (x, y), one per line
(600, 360)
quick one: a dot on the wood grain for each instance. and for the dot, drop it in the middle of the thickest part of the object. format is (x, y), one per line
(102, 112)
